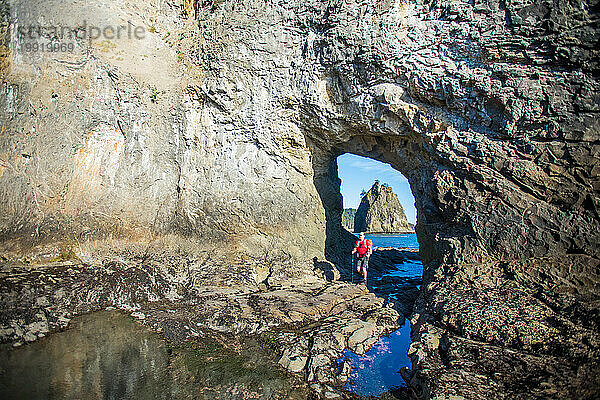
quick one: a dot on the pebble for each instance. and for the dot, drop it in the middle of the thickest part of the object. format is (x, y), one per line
(138, 315)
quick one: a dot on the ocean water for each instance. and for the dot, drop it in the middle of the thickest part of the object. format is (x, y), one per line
(402, 241)
(377, 371)
(410, 269)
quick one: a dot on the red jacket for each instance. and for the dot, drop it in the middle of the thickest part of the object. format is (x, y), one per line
(368, 244)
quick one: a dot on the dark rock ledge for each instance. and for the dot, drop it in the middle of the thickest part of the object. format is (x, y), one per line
(509, 330)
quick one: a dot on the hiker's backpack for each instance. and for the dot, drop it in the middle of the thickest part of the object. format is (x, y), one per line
(362, 247)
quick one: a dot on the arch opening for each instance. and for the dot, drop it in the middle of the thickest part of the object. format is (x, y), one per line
(395, 270)
(339, 241)
(384, 205)
(358, 175)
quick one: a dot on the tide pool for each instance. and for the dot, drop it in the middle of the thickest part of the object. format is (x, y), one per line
(377, 371)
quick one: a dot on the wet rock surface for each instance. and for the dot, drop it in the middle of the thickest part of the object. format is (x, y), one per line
(307, 326)
(224, 125)
(399, 290)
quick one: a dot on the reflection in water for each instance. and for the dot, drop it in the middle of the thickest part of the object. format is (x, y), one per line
(103, 355)
(106, 355)
(410, 269)
(377, 371)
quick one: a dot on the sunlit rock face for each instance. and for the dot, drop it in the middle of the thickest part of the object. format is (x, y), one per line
(137, 136)
(380, 211)
(223, 124)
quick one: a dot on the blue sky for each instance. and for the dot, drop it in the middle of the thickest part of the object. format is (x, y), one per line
(358, 173)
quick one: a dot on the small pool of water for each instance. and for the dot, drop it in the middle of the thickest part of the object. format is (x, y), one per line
(101, 356)
(107, 355)
(410, 269)
(377, 371)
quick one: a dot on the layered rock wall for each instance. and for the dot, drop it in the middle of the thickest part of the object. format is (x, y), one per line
(139, 138)
(224, 123)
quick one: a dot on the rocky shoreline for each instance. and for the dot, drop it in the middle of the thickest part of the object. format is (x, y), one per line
(308, 323)
(223, 126)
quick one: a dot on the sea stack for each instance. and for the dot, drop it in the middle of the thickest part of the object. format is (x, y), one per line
(380, 211)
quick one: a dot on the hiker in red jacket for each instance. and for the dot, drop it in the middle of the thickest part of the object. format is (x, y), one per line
(364, 248)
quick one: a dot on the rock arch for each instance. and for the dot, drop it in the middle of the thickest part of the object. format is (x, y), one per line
(488, 219)
(488, 108)
(499, 231)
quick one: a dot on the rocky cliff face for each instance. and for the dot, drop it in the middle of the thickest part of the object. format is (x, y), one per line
(222, 125)
(380, 211)
(158, 136)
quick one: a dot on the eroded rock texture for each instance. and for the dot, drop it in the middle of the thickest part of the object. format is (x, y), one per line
(380, 211)
(223, 124)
